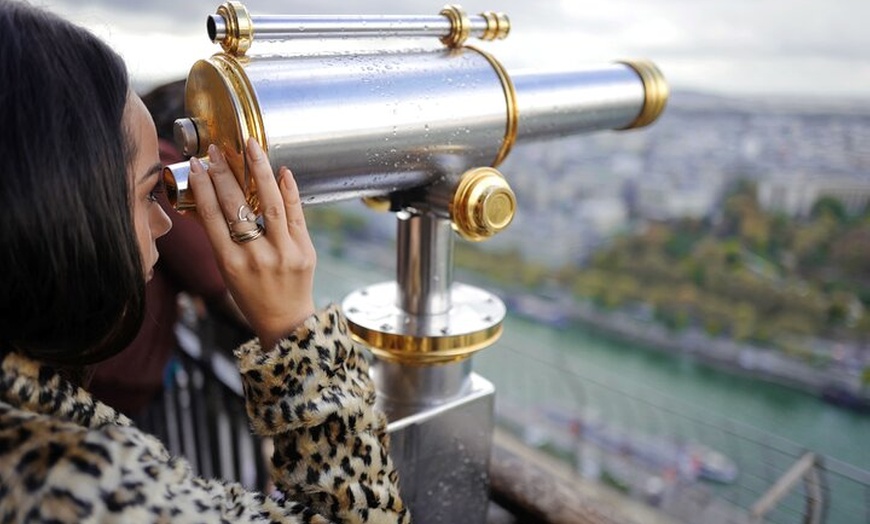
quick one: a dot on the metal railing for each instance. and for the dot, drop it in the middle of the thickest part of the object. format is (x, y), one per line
(201, 415)
(600, 430)
(808, 469)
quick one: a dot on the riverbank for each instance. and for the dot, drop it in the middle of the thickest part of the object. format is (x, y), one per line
(839, 386)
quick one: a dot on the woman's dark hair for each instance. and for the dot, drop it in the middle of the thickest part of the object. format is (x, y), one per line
(71, 278)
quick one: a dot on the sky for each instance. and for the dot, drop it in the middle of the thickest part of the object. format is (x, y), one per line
(816, 49)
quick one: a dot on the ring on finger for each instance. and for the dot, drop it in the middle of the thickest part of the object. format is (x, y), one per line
(244, 214)
(247, 236)
(234, 225)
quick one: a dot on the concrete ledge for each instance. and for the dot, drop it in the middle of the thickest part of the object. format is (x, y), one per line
(534, 487)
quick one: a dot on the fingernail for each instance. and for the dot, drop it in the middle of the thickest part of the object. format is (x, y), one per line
(213, 153)
(196, 164)
(254, 150)
(280, 177)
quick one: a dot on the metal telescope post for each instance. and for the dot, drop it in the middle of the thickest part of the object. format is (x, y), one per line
(419, 133)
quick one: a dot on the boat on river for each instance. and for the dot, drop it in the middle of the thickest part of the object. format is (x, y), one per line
(689, 460)
(550, 311)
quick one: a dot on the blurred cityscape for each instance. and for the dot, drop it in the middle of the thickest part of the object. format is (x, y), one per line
(743, 251)
(681, 167)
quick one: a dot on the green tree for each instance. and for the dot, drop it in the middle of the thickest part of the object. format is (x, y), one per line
(831, 207)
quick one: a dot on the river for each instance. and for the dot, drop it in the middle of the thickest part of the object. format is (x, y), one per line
(533, 364)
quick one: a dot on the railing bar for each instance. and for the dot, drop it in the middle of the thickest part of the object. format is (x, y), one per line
(846, 470)
(765, 451)
(173, 440)
(224, 434)
(203, 431)
(867, 501)
(185, 417)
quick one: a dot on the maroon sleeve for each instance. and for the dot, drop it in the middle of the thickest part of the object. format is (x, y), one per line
(130, 380)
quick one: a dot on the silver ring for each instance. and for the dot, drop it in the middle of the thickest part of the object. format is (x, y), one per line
(244, 214)
(235, 230)
(247, 236)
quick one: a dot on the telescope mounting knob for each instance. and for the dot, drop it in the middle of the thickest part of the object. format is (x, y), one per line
(482, 205)
(186, 136)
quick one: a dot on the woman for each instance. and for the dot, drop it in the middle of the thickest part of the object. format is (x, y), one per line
(132, 380)
(80, 173)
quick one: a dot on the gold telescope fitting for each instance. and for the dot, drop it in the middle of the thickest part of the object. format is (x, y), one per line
(497, 26)
(460, 25)
(380, 204)
(224, 111)
(656, 92)
(472, 322)
(512, 117)
(240, 28)
(482, 205)
(420, 350)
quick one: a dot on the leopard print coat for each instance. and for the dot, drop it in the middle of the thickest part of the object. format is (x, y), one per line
(65, 457)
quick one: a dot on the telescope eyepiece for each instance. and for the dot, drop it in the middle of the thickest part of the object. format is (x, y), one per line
(171, 186)
(232, 27)
(176, 180)
(216, 28)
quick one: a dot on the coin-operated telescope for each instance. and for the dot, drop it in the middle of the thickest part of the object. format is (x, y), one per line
(419, 132)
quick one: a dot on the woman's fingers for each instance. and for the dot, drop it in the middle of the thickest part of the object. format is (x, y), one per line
(239, 220)
(292, 202)
(271, 203)
(208, 207)
(227, 188)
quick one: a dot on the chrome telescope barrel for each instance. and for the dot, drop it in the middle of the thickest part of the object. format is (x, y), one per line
(289, 27)
(234, 28)
(365, 125)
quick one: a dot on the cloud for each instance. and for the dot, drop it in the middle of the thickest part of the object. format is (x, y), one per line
(812, 47)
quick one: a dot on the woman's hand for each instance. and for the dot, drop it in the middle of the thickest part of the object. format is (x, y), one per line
(271, 274)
